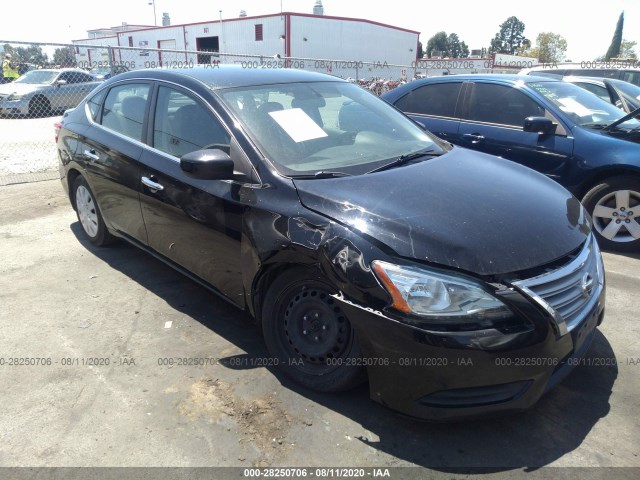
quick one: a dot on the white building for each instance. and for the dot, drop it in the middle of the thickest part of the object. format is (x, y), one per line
(347, 44)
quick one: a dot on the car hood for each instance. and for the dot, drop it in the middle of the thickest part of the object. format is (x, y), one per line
(465, 210)
(19, 88)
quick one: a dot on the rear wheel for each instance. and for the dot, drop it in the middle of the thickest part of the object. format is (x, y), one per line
(614, 206)
(89, 214)
(39, 107)
(307, 332)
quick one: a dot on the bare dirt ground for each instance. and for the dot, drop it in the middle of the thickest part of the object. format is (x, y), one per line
(110, 327)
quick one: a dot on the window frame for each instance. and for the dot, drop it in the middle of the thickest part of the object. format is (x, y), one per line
(249, 169)
(258, 32)
(100, 114)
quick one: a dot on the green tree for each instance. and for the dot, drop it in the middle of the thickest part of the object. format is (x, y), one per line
(420, 50)
(628, 49)
(550, 47)
(510, 39)
(456, 48)
(616, 41)
(439, 42)
(31, 54)
(64, 57)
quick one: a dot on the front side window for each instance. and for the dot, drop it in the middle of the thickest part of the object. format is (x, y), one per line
(581, 106)
(183, 125)
(502, 105)
(124, 109)
(439, 99)
(306, 128)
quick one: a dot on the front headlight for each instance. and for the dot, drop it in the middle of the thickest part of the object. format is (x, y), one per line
(14, 96)
(439, 296)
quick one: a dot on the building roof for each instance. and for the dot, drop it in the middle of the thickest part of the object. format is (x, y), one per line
(256, 17)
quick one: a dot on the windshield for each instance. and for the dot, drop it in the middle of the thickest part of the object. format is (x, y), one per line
(38, 77)
(306, 128)
(582, 106)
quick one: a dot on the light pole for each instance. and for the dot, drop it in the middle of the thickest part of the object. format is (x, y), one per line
(155, 20)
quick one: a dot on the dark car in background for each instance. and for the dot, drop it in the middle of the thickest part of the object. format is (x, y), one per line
(624, 95)
(362, 245)
(584, 143)
(104, 72)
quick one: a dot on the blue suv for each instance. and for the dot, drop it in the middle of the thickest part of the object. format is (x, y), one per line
(563, 131)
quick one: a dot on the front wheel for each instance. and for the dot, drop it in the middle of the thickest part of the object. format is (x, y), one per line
(89, 215)
(307, 332)
(614, 206)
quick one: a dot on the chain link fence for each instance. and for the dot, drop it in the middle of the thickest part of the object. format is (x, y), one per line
(56, 77)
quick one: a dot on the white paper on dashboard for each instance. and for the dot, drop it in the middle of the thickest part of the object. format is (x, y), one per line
(574, 107)
(298, 125)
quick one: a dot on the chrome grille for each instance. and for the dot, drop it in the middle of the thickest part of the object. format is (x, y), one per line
(568, 292)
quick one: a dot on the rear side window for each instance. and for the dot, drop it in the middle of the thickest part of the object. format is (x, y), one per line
(502, 105)
(94, 104)
(183, 125)
(124, 109)
(438, 99)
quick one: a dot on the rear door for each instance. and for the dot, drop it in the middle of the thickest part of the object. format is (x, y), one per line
(435, 105)
(195, 224)
(493, 121)
(109, 153)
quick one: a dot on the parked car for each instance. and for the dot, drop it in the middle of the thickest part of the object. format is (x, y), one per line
(103, 72)
(359, 242)
(624, 95)
(619, 70)
(45, 91)
(554, 127)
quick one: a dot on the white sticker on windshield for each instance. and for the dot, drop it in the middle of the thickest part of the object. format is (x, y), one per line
(298, 125)
(572, 106)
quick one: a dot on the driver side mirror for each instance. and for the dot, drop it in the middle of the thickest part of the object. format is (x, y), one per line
(60, 83)
(208, 165)
(541, 125)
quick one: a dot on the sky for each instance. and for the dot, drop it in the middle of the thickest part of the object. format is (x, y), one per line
(588, 30)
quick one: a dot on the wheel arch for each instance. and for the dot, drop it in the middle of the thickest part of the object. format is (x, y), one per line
(599, 176)
(72, 174)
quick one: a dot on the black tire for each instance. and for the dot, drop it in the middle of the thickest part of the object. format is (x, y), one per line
(626, 217)
(296, 308)
(89, 214)
(39, 107)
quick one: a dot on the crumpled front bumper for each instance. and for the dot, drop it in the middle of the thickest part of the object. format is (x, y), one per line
(442, 376)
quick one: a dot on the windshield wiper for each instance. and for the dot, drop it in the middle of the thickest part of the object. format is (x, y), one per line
(402, 160)
(627, 117)
(322, 174)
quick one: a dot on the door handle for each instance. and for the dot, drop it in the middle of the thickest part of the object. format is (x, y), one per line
(473, 137)
(91, 154)
(147, 182)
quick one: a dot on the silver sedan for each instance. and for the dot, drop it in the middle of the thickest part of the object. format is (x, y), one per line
(43, 92)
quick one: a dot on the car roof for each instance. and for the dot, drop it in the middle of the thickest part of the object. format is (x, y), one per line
(512, 78)
(227, 76)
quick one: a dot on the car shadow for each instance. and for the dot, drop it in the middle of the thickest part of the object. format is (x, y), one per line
(557, 425)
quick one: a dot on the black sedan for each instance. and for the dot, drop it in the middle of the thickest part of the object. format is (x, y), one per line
(362, 245)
